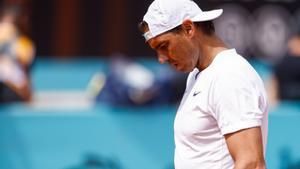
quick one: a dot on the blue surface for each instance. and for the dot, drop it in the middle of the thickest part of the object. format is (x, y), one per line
(49, 74)
(135, 138)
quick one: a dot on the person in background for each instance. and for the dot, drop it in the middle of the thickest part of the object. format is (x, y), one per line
(129, 82)
(16, 57)
(285, 82)
(222, 120)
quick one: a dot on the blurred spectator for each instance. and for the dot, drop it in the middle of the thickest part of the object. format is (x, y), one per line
(285, 84)
(16, 57)
(131, 83)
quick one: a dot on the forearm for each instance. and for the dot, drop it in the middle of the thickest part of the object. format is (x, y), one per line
(249, 164)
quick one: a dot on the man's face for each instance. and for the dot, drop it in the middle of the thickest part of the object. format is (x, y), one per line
(176, 49)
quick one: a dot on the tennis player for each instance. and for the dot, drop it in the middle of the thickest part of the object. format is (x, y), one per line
(221, 122)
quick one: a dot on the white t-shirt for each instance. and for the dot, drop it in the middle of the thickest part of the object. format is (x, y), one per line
(224, 98)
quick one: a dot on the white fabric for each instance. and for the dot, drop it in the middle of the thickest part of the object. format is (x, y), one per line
(164, 15)
(224, 98)
(11, 72)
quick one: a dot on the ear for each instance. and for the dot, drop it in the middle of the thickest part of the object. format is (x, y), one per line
(188, 28)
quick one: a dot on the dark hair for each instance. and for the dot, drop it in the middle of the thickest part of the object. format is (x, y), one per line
(207, 27)
(143, 26)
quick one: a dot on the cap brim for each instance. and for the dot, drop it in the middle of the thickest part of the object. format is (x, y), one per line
(208, 15)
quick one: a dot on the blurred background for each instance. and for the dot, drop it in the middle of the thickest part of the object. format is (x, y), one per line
(80, 89)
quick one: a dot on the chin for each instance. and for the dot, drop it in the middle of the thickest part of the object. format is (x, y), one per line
(183, 69)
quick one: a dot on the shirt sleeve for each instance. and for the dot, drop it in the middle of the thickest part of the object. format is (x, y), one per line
(235, 102)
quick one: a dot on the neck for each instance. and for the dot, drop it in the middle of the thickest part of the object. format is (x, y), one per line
(209, 50)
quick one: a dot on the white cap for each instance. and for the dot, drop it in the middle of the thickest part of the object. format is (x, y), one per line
(164, 15)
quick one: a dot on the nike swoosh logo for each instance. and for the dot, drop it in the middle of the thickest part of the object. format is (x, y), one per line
(196, 93)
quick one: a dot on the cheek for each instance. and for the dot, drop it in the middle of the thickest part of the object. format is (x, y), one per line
(173, 52)
(190, 57)
(193, 52)
(187, 52)
(182, 51)
(179, 50)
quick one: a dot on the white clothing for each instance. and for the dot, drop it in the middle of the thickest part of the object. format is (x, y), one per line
(226, 97)
(11, 72)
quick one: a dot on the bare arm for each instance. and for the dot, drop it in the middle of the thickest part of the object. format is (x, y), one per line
(246, 148)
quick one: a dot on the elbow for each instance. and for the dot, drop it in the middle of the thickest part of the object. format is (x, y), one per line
(250, 164)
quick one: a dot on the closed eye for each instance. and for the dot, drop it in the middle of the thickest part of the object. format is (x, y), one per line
(163, 46)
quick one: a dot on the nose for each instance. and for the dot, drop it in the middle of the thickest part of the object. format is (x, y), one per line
(162, 58)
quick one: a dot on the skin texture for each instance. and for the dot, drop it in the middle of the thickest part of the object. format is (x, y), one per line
(191, 48)
(245, 147)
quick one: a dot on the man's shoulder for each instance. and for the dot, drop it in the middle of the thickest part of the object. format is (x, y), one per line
(230, 62)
